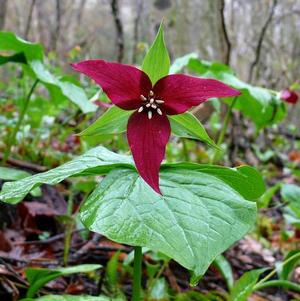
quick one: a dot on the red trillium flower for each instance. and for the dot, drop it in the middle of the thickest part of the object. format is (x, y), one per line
(289, 96)
(148, 128)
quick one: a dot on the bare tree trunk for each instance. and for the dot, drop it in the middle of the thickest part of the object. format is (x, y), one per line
(119, 29)
(28, 23)
(55, 33)
(80, 12)
(139, 9)
(260, 39)
(227, 49)
(3, 4)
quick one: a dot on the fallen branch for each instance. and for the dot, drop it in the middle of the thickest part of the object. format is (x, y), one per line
(24, 164)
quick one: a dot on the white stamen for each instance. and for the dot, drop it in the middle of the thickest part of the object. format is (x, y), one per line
(159, 111)
(149, 114)
(148, 105)
(143, 98)
(140, 109)
(151, 100)
(159, 101)
(151, 93)
(154, 106)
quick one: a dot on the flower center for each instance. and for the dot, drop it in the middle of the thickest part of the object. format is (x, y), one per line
(150, 104)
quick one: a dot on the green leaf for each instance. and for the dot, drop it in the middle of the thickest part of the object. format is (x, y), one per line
(266, 198)
(188, 126)
(159, 290)
(246, 180)
(60, 89)
(15, 58)
(94, 162)
(197, 218)
(224, 267)
(97, 161)
(182, 62)
(291, 194)
(197, 296)
(285, 271)
(32, 55)
(261, 105)
(113, 121)
(112, 269)
(38, 277)
(244, 287)
(72, 298)
(10, 42)
(12, 174)
(156, 63)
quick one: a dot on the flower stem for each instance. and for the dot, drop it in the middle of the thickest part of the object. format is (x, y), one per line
(137, 274)
(223, 130)
(273, 272)
(12, 138)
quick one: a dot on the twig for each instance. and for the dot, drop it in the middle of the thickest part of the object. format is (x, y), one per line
(24, 164)
(48, 240)
(260, 40)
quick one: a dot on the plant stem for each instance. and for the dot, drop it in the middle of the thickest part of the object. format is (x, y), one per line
(223, 129)
(273, 272)
(283, 283)
(68, 231)
(12, 138)
(137, 274)
(185, 150)
(163, 267)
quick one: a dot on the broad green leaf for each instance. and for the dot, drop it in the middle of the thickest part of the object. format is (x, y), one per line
(32, 55)
(113, 121)
(246, 180)
(291, 194)
(197, 218)
(182, 62)
(38, 277)
(156, 63)
(97, 161)
(244, 287)
(261, 105)
(72, 298)
(94, 162)
(285, 271)
(60, 89)
(11, 43)
(188, 126)
(112, 270)
(12, 174)
(15, 58)
(159, 290)
(224, 267)
(266, 198)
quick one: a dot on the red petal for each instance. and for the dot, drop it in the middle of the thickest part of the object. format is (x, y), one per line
(123, 84)
(147, 139)
(289, 96)
(181, 92)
